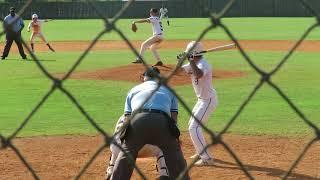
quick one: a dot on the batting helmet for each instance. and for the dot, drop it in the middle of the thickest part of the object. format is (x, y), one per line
(197, 47)
(34, 16)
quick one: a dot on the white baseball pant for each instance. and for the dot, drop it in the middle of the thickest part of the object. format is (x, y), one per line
(152, 43)
(201, 111)
(39, 34)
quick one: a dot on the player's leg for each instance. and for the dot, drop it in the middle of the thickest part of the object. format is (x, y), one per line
(134, 139)
(115, 150)
(161, 16)
(153, 49)
(147, 43)
(32, 37)
(123, 167)
(161, 163)
(9, 41)
(201, 111)
(167, 17)
(169, 145)
(157, 40)
(18, 41)
(45, 41)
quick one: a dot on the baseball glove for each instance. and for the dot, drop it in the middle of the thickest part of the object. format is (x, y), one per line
(134, 27)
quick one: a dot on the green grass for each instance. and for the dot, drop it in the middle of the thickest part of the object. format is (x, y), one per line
(23, 85)
(242, 28)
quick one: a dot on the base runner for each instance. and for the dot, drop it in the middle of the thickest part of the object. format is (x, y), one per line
(35, 25)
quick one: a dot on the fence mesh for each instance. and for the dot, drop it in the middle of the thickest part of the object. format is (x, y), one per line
(110, 25)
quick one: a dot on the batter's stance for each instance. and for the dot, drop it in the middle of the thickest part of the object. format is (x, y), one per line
(201, 76)
(157, 37)
(35, 25)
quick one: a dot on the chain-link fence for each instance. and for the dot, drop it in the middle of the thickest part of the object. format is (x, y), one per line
(216, 138)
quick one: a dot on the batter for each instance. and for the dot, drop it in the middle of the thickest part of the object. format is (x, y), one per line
(201, 76)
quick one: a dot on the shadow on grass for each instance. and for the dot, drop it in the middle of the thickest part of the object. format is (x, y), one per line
(9, 59)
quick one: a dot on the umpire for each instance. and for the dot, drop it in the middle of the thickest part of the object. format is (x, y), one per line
(151, 123)
(13, 25)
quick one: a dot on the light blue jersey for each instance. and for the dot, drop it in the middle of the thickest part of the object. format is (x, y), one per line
(17, 25)
(163, 99)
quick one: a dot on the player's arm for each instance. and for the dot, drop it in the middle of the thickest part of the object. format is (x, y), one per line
(198, 73)
(174, 109)
(141, 21)
(29, 26)
(174, 116)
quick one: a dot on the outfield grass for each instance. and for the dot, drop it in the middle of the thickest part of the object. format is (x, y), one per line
(23, 85)
(243, 28)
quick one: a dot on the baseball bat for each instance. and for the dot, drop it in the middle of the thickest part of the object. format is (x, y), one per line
(219, 48)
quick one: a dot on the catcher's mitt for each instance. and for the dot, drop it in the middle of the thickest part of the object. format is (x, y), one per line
(134, 27)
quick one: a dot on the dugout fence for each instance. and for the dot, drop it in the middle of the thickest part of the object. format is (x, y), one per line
(216, 138)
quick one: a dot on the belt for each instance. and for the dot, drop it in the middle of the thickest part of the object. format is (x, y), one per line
(159, 34)
(151, 111)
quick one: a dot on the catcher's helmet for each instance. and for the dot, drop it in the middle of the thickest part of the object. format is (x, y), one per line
(152, 72)
(197, 47)
(34, 16)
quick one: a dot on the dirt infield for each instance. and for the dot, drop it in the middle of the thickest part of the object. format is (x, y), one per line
(62, 157)
(133, 72)
(256, 45)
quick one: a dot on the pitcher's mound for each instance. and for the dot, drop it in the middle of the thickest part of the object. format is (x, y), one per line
(132, 73)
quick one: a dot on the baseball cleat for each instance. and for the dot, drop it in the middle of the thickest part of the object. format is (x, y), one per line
(137, 61)
(201, 162)
(109, 172)
(159, 63)
(195, 156)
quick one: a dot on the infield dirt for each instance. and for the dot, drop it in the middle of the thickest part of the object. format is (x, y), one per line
(62, 157)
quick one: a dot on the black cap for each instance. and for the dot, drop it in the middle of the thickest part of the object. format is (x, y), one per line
(154, 10)
(12, 8)
(152, 72)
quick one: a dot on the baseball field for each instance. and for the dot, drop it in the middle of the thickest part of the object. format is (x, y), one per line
(268, 136)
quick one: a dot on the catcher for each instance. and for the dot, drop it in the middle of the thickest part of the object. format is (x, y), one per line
(36, 24)
(147, 151)
(154, 41)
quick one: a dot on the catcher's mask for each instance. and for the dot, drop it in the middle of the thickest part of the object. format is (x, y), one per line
(151, 72)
